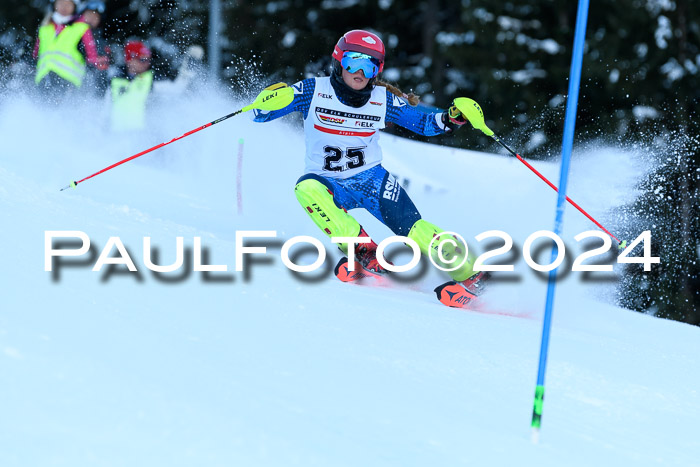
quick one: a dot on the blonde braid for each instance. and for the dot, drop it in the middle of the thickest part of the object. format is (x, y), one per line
(411, 98)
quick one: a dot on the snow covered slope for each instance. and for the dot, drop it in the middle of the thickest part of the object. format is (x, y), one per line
(117, 368)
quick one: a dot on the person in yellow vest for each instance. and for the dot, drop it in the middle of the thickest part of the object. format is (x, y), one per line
(64, 46)
(131, 91)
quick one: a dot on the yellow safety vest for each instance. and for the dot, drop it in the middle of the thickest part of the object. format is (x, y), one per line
(60, 54)
(129, 99)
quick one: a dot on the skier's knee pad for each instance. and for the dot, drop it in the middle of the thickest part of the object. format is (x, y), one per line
(446, 250)
(317, 199)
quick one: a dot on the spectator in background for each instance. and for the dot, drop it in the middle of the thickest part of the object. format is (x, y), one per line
(91, 12)
(133, 89)
(63, 46)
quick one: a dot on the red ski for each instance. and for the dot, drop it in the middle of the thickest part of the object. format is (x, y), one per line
(452, 294)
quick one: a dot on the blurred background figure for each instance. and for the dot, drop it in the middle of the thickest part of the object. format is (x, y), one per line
(133, 90)
(92, 12)
(63, 46)
(129, 90)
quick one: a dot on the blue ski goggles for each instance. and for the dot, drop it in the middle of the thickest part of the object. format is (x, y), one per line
(356, 61)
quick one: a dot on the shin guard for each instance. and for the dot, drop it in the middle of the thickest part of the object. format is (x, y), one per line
(424, 232)
(318, 202)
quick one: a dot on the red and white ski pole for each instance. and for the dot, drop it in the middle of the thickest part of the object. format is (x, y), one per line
(472, 111)
(275, 97)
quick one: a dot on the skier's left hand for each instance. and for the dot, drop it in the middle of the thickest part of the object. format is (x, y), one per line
(452, 118)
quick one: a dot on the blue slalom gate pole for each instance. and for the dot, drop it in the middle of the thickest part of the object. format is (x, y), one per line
(567, 144)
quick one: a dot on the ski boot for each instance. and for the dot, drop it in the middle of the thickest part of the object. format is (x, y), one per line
(477, 283)
(366, 255)
(454, 295)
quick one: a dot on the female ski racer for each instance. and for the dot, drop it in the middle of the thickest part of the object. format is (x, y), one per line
(342, 116)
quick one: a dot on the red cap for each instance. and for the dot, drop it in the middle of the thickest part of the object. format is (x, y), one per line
(136, 49)
(362, 41)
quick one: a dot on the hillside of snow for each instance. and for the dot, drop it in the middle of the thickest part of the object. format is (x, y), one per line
(267, 367)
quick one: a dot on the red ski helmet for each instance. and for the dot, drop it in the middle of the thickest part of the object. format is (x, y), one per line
(359, 40)
(136, 49)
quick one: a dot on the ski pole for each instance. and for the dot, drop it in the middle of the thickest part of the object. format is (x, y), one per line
(475, 115)
(274, 97)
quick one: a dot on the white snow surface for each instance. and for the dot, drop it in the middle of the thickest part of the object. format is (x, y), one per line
(129, 369)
